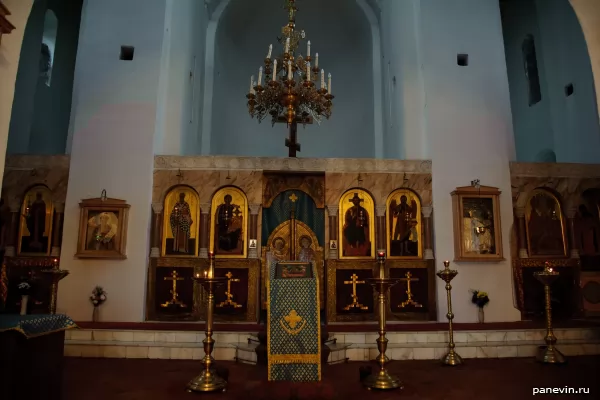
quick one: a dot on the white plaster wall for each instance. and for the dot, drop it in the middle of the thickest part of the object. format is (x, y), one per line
(405, 134)
(113, 119)
(340, 33)
(10, 52)
(182, 72)
(470, 137)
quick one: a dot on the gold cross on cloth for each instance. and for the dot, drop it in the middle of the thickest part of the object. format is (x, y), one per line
(355, 304)
(409, 295)
(174, 295)
(293, 197)
(229, 301)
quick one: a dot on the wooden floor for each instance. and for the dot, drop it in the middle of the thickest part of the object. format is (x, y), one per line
(478, 379)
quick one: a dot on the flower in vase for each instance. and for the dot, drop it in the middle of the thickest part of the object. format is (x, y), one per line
(103, 297)
(479, 298)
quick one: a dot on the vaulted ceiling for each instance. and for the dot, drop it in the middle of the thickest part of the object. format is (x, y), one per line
(212, 5)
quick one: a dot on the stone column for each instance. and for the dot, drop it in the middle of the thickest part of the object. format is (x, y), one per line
(427, 237)
(253, 230)
(380, 233)
(204, 229)
(59, 217)
(157, 212)
(332, 212)
(521, 232)
(571, 214)
(13, 230)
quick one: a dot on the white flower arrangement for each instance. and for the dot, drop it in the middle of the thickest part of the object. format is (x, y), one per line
(98, 296)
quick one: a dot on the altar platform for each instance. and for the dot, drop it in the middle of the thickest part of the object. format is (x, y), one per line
(348, 342)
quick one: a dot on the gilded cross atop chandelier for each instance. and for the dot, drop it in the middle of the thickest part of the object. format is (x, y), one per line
(288, 87)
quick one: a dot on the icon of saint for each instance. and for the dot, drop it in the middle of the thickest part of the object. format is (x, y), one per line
(102, 229)
(181, 223)
(307, 254)
(403, 227)
(544, 226)
(356, 230)
(35, 220)
(229, 228)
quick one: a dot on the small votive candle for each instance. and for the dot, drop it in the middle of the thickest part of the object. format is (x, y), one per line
(205, 274)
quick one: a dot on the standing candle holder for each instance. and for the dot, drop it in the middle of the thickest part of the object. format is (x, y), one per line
(56, 275)
(208, 380)
(382, 380)
(549, 354)
(451, 358)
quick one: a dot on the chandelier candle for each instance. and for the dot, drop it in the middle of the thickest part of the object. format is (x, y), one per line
(290, 93)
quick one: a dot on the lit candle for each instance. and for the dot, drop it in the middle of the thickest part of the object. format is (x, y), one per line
(205, 274)
(197, 275)
(308, 49)
(317, 60)
(329, 84)
(251, 83)
(308, 71)
(322, 79)
(270, 51)
(260, 76)
(287, 45)
(290, 74)
(274, 70)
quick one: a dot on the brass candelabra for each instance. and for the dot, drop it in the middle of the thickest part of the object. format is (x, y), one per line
(382, 380)
(287, 85)
(56, 275)
(549, 354)
(208, 380)
(451, 358)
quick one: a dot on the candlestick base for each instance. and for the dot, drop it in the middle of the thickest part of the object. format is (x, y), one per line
(550, 355)
(382, 380)
(452, 358)
(207, 382)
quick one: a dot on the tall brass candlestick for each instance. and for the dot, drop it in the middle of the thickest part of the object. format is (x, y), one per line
(549, 354)
(208, 380)
(447, 274)
(382, 379)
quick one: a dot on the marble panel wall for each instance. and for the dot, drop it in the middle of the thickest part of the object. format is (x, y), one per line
(24, 171)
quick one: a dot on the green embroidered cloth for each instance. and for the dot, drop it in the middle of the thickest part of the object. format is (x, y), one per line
(293, 328)
(36, 325)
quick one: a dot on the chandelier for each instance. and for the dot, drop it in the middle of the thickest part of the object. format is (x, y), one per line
(287, 88)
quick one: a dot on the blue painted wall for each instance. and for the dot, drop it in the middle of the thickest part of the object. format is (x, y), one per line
(565, 126)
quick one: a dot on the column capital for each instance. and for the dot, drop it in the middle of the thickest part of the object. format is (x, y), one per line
(254, 209)
(520, 212)
(380, 211)
(426, 211)
(332, 210)
(204, 208)
(571, 212)
(157, 208)
(59, 207)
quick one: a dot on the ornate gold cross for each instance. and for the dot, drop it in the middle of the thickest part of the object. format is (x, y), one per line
(409, 295)
(174, 295)
(295, 323)
(355, 303)
(293, 197)
(229, 301)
